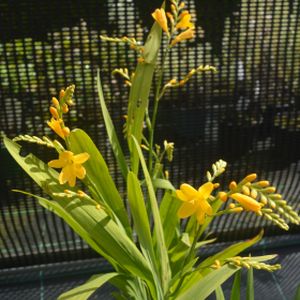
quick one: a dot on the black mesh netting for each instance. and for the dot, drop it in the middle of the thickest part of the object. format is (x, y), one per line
(248, 113)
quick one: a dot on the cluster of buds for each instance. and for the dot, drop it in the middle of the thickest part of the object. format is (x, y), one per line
(58, 109)
(169, 149)
(261, 198)
(127, 40)
(124, 73)
(78, 194)
(171, 22)
(253, 262)
(202, 68)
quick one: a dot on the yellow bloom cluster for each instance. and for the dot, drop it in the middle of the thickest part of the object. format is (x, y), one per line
(71, 166)
(195, 201)
(178, 20)
(58, 108)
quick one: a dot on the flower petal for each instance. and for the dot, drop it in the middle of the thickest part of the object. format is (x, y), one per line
(180, 195)
(205, 207)
(57, 163)
(79, 171)
(186, 210)
(188, 191)
(81, 158)
(61, 178)
(72, 181)
(200, 217)
(205, 190)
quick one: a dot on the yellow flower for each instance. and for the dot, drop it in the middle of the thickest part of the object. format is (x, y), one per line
(185, 21)
(55, 125)
(71, 166)
(159, 15)
(247, 202)
(195, 202)
(185, 35)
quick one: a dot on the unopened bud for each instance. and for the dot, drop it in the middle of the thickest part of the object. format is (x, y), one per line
(276, 196)
(222, 196)
(65, 108)
(270, 189)
(245, 190)
(61, 94)
(263, 183)
(216, 185)
(54, 112)
(66, 131)
(231, 205)
(232, 185)
(55, 102)
(272, 204)
(237, 210)
(253, 193)
(263, 200)
(167, 174)
(81, 193)
(250, 177)
(98, 206)
(181, 5)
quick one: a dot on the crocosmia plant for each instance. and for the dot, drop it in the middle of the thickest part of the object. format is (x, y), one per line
(152, 243)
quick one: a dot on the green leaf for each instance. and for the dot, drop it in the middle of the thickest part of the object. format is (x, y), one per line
(111, 132)
(58, 210)
(163, 184)
(112, 240)
(83, 291)
(98, 175)
(131, 287)
(250, 285)
(168, 213)
(165, 271)
(204, 267)
(219, 293)
(236, 287)
(205, 286)
(297, 295)
(228, 252)
(140, 217)
(139, 92)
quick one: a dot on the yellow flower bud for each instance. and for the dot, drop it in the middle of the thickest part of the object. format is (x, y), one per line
(61, 94)
(98, 206)
(216, 185)
(246, 190)
(250, 177)
(185, 35)
(247, 202)
(232, 185)
(263, 183)
(181, 5)
(263, 200)
(159, 15)
(81, 193)
(66, 131)
(237, 210)
(54, 112)
(65, 108)
(171, 18)
(231, 205)
(222, 196)
(270, 189)
(253, 193)
(55, 102)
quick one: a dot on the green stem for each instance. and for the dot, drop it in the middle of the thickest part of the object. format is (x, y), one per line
(155, 108)
(187, 259)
